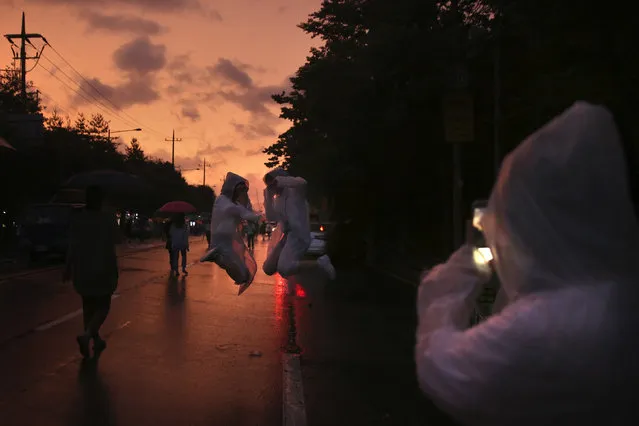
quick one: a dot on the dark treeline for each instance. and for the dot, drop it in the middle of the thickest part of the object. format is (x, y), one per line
(366, 107)
(34, 173)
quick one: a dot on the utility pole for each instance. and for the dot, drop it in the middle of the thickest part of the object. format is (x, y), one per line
(173, 140)
(22, 56)
(204, 166)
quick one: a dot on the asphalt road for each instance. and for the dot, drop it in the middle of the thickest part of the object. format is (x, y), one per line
(190, 352)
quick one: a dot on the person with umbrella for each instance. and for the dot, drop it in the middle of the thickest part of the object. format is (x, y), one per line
(228, 249)
(179, 238)
(93, 267)
(177, 233)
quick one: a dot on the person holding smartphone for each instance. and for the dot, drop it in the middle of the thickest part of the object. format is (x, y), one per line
(562, 229)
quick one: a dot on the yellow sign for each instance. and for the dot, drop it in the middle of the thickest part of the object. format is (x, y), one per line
(459, 117)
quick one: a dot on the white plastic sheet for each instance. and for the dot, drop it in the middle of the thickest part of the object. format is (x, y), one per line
(562, 229)
(231, 253)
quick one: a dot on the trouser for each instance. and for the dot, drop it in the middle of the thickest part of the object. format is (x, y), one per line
(175, 253)
(94, 312)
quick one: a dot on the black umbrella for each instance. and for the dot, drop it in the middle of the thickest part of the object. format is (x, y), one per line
(123, 190)
(111, 181)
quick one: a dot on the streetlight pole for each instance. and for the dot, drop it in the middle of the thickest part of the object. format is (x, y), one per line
(122, 131)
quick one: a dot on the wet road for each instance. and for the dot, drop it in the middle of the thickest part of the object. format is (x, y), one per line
(189, 351)
(179, 350)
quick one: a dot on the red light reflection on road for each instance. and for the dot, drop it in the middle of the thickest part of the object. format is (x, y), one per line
(281, 287)
(299, 291)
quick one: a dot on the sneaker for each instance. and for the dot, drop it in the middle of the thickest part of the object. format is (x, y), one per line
(99, 344)
(209, 256)
(83, 345)
(325, 263)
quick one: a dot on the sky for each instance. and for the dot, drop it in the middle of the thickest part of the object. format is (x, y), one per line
(204, 68)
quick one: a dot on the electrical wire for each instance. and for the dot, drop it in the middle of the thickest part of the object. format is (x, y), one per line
(97, 90)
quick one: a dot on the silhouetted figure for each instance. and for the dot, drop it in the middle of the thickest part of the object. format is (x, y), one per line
(167, 236)
(92, 266)
(179, 236)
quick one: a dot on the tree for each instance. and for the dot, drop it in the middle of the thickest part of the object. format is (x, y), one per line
(55, 120)
(97, 125)
(80, 125)
(134, 152)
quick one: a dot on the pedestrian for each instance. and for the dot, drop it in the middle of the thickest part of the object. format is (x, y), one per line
(285, 202)
(565, 241)
(228, 249)
(92, 266)
(263, 230)
(251, 228)
(167, 237)
(179, 235)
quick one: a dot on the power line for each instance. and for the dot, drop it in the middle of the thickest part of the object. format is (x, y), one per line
(98, 91)
(78, 92)
(96, 99)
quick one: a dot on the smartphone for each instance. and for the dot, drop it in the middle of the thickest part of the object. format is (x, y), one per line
(484, 255)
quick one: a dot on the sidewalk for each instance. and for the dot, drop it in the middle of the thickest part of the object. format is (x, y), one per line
(358, 337)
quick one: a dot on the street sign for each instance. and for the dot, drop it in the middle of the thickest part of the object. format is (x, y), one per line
(459, 117)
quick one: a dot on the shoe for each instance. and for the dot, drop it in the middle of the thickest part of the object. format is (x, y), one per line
(83, 345)
(184, 271)
(99, 344)
(209, 256)
(325, 263)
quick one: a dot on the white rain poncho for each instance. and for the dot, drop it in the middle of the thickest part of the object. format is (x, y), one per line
(564, 236)
(231, 253)
(292, 237)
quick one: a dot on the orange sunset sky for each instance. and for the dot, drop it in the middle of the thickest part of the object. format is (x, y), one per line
(205, 68)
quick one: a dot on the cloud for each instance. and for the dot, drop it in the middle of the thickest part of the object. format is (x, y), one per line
(140, 56)
(254, 152)
(220, 149)
(191, 112)
(248, 95)
(120, 23)
(231, 72)
(135, 91)
(255, 129)
(187, 162)
(148, 5)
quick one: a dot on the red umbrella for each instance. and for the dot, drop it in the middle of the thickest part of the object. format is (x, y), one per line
(178, 207)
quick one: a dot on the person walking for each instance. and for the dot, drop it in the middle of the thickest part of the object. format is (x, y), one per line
(251, 228)
(92, 266)
(179, 236)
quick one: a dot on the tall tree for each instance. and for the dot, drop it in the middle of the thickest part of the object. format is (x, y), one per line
(134, 152)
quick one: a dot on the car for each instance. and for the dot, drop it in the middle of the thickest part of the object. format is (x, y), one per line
(319, 239)
(44, 229)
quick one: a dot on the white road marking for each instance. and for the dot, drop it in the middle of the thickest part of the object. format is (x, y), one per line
(294, 408)
(65, 318)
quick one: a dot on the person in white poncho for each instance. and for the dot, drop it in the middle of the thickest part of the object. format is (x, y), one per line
(227, 247)
(285, 203)
(565, 240)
